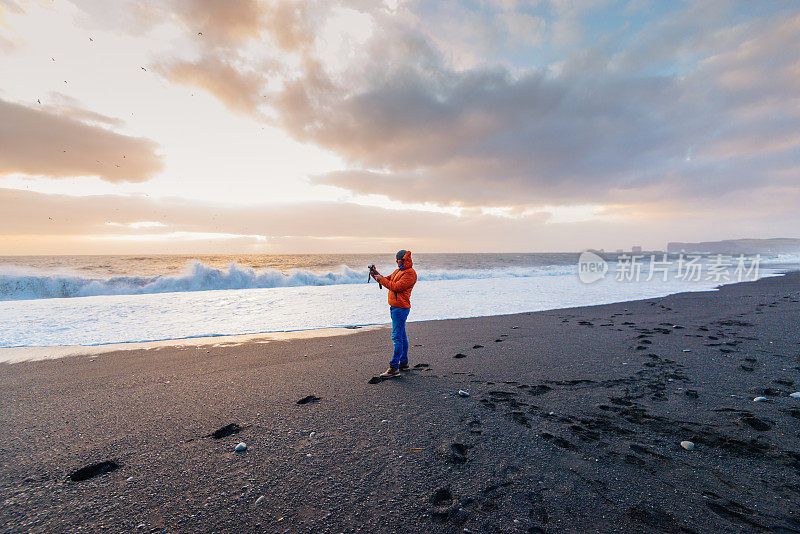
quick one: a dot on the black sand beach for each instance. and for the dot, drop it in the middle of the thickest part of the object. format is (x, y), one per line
(573, 423)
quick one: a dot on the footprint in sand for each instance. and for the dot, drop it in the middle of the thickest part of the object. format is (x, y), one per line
(308, 399)
(93, 470)
(225, 431)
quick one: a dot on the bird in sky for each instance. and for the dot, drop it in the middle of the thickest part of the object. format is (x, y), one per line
(144, 69)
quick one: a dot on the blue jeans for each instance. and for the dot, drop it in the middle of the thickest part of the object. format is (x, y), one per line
(399, 337)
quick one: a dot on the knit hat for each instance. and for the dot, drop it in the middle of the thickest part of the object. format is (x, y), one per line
(400, 254)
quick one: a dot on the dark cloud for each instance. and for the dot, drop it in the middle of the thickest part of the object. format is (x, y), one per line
(589, 134)
(699, 100)
(38, 142)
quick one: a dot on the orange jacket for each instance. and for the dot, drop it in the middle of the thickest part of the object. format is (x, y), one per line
(400, 283)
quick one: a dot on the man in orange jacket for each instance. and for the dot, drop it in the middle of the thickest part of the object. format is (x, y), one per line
(399, 283)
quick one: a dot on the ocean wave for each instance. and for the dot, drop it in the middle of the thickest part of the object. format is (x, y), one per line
(27, 284)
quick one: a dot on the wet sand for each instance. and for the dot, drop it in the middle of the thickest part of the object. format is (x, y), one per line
(573, 423)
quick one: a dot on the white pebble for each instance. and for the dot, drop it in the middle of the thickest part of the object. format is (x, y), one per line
(687, 350)
(128, 479)
(795, 395)
(312, 434)
(688, 445)
(463, 393)
(241, 446)
(760, 399)
(259, 500)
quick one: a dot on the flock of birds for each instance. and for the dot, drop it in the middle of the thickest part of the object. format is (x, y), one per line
(38, 100)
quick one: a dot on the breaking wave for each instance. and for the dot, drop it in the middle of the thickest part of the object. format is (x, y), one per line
(25, 283)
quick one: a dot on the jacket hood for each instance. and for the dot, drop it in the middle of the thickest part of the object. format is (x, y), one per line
(407, 263)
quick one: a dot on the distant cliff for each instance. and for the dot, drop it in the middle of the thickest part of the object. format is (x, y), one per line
(740, 246)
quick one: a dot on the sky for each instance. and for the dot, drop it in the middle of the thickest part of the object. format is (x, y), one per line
(278, 126)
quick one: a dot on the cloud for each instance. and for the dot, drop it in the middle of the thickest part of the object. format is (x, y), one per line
(523, 29)
(227, 22)
(237, 88)
(289, 24)
(224, 32)
(593, 133)
(36, 223)
(38, 142)
(34, 216)
(699, 99)
(9, 39)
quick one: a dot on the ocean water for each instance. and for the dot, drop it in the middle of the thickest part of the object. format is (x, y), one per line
(92, 300)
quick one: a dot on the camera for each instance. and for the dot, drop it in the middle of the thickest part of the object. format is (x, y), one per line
(372, 270)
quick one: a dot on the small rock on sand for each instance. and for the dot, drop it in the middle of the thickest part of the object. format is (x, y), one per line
(241, 446)
(259, 500)
(760, 399)
(688, 445)
(463, 393)
(795, 395)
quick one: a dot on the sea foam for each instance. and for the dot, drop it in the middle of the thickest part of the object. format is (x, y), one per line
(27, 283)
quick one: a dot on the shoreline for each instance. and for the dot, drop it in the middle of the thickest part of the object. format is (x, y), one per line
(20, 354)
(13, 355)
(574, 422)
